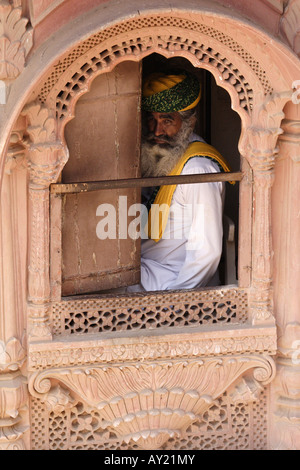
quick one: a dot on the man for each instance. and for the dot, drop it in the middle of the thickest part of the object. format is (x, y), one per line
(185, 221)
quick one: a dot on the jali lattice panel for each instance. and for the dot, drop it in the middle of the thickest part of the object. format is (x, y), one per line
(138, 312)
(224, 426)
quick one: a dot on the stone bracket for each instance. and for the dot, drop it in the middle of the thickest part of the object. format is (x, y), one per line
(150, 402)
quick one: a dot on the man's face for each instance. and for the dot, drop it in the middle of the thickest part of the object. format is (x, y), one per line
(163, 127)
(165, 139)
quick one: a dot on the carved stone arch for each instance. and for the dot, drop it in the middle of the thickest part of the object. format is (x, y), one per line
(233, 67)
(198, 41)
(204, 46)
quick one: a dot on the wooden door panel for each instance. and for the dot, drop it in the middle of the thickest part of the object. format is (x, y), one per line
(104, 143)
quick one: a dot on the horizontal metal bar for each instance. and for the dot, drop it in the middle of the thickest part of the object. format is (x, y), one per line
(81, 187)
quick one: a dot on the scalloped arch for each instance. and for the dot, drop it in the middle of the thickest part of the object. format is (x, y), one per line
(234, 68)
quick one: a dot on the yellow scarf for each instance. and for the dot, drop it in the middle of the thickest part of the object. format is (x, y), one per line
(159, 212)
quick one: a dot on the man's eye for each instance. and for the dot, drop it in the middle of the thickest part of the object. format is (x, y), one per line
(167, 121)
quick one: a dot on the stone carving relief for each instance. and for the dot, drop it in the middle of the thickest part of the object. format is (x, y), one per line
(150, 403)
(12, 354)
(148, 389)
(15, 40)
(13, 404)
(183, 343)
(103, 315)
(224, 426)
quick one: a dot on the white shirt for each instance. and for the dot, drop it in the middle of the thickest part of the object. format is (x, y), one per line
(189, 252)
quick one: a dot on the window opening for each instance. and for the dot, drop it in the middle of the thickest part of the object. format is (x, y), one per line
(212, 123)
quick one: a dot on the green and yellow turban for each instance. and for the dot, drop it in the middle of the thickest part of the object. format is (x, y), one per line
(164, 93)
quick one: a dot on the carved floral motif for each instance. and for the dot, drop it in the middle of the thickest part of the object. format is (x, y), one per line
(47, 156)
(59, 399)
(185, 345)
(15, 40)
(12, 355)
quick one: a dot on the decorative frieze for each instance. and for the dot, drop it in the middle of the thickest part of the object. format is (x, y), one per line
(178, 342)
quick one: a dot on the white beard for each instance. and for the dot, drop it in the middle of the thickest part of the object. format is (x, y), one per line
(159, 160)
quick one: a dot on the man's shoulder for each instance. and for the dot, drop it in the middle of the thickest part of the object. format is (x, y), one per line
(200, 164)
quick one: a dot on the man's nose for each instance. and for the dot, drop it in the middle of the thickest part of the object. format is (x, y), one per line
(158, 129)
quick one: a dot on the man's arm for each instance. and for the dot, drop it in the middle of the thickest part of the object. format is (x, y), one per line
(204, 240)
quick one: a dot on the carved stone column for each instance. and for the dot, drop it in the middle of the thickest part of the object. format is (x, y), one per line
(262, 161)
(263, 137)
(285, 390)
(45, 161)
(14, 395)
(15, 44)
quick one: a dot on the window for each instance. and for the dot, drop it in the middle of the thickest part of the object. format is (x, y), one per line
(103, 141)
